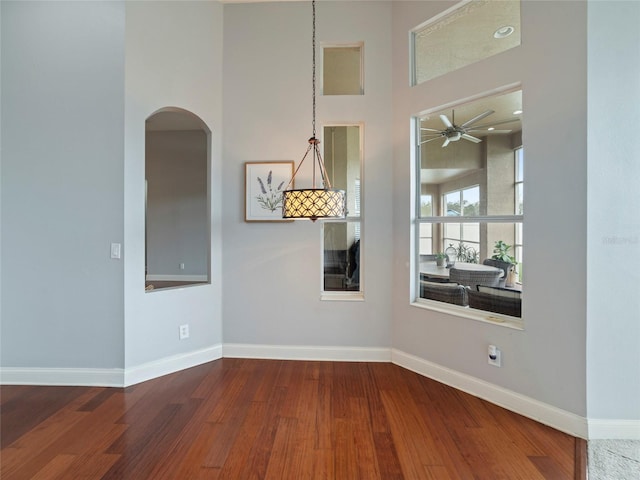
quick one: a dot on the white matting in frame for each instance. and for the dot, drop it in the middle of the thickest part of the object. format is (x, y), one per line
(263, 187)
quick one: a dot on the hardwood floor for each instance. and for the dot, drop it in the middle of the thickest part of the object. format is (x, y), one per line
(271, 419)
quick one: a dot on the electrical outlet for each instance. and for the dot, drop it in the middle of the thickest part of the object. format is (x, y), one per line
(182, 266)
(494, 356)
(184, 331)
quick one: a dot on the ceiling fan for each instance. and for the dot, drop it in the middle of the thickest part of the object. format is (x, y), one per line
(453, 132)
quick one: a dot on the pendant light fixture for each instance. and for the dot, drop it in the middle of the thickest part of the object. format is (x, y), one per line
(314, 203)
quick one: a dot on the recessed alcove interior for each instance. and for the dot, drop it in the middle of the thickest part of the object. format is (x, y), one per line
(177, 193)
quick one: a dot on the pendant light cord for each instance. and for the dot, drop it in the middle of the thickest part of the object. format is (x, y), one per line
(314, 145)
(313, 62)
(314, 203)
(313, 141)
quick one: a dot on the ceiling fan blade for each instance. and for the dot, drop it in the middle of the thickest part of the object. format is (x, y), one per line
(446, 142)
(493, 124)
(429, 129)
(446, 121)
(466, 136)
(488, 132)
(430, 139)
(476, 118)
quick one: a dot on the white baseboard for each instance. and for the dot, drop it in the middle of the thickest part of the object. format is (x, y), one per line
(105, 377)
(289, 352)
(547, 414)
(541, 412)
(167, 365)
(176, 278)
(602, 429)
(76, 377)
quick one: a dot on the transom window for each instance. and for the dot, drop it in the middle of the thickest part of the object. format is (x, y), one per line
(464, 34)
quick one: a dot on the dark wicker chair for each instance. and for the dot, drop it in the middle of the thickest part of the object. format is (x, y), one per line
(505, 266)
(472, 278)
(444, 292)
(498, 300)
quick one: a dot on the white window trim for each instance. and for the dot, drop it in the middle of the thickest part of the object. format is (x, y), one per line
(469, 313)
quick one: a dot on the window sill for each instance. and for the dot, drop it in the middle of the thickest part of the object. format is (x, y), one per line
(470, 313)
(342, 296)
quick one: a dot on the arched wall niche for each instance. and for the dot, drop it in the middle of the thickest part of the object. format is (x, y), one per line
(177, 200)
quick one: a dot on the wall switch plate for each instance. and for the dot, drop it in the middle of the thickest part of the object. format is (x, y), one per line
(115, 250)
(184, 331)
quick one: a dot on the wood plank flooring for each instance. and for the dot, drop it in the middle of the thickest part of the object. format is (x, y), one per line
(270, 419)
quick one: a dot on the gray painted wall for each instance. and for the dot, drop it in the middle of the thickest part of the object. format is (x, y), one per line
(546, 361)
(62, 183)
(76, 90)
(613, 328)
(271, 271)
(173, 59)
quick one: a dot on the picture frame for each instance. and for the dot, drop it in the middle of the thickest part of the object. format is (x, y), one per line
(264, 183)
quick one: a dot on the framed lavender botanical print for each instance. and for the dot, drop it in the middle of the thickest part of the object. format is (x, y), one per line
(263, 187)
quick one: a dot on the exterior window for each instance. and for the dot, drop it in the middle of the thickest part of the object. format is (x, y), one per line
(519, 159)
(519, 184)
(341, 239)
(469, 165)
(464, 202)
(425, 231)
